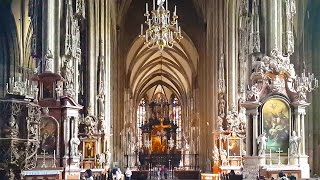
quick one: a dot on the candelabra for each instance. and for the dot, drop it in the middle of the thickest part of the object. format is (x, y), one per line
(23, 88)
(161, 31)
(305, 84)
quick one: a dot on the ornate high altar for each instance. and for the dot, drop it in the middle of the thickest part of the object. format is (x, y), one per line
(159, 137)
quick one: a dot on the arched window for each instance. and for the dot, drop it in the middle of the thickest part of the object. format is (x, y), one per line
(141, 117)
(176, 112)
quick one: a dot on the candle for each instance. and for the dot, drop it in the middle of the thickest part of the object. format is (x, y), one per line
(175, 11)
(54, 155)
(154, 5)
(141, 33)
(146, 8)
(166, 4)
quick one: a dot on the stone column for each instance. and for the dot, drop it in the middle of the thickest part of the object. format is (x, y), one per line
(57, 37)
(66, 138)
(48, 31)
(255, 128)
(248, 142)
(91, 58)
(232, 54)
(303, 139)
(297, 125)
(272, 13)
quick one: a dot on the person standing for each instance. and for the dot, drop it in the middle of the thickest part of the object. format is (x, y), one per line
(118, 174)
(128, 173)
(88, 174)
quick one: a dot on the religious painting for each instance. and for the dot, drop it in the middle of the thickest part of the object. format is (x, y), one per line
(48, 135)
(234, 147)
(89, 149)
(47, 90)
(276, 124)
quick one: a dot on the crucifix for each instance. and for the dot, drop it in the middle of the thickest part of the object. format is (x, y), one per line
(279, 151)
(44, 159)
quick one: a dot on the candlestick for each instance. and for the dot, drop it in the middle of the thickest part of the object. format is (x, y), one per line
(54, 159)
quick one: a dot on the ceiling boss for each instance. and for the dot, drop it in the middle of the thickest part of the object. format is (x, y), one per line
(161, 31)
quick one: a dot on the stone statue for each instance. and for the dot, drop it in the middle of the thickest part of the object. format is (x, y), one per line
(222, 105)
(108, 157)
(294, 144)
(262, 144)
(74, 143)
(11, 129)
(223, 155)
(219, 124)
(215, 153)
(49, 61)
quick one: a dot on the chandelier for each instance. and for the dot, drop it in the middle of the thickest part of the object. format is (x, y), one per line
(161, 31)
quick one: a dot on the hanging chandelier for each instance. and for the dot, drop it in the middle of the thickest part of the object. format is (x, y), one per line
(161, 31)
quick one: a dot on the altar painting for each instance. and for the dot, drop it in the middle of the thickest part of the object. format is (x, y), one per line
(276, 124)
(89, 147)
(48, 135)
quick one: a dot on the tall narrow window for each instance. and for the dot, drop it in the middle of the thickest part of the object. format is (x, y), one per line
(141, 117)
(176, 108)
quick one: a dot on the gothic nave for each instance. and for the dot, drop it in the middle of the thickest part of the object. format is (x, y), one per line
(190, 88)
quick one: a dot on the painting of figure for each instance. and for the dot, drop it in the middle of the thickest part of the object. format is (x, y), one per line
(48, 135)
(276, 124)
(89, 149)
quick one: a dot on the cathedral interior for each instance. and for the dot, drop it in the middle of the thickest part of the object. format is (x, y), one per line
(194, 89)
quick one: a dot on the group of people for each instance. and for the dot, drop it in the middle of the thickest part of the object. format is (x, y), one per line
(113, 174)
(116, 174)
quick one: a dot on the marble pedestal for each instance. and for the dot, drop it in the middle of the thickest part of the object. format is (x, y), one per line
(251, 167)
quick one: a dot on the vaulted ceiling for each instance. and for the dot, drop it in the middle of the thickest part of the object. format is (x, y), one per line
(149, 71)
(173, 69)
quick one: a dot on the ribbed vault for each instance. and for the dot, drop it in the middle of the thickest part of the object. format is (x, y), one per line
(171, 71)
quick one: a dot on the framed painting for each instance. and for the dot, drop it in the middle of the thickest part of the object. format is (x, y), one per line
(48, 135)
(234, 147)
(276, 115)
(89, 149)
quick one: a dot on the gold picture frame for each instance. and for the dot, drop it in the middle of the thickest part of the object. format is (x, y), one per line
(89, 149)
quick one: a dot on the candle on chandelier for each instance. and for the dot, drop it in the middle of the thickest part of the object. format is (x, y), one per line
(147, 8)
(54, 155)
(141, 33)
(154, 5)
(175, 11)
(166, 4)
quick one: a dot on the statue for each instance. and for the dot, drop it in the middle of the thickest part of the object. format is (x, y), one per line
(49, 61)
(215, 153)
(74, 143)
(222, 105)
(294, 144)
(219, 124)
(223, 154)
(11, 129)
(108, 157)
(262, 141)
